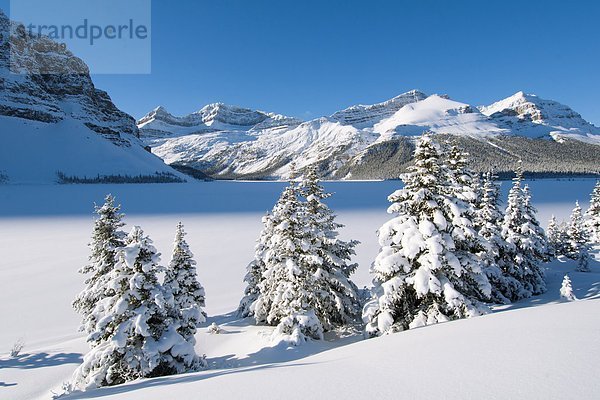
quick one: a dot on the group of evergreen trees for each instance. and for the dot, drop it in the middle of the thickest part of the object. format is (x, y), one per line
(575, 239)
(136, 326)
(449, 249)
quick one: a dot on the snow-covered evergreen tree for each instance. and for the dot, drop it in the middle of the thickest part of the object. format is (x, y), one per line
(287, 296)
(527, 245)
(462, 181)
(256, 269)
(592, 216)
(488, 220)
(423, 273)
(578, 246)
(554, 237)
(137, 335)
(558, 239)
(463, 188)
(107, 238)
(304, 285)
(338, 299)
(538, 243)
(566, 290)
(181, 282)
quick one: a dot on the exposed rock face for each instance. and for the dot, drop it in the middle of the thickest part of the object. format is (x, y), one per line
(41, 80)
(361, 115)
(56, 127)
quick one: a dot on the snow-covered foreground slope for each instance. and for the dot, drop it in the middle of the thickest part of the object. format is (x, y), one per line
(549, 351)
(473, 359)
(233, 143)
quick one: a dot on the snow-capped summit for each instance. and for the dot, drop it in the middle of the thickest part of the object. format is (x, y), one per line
(532, 116)
(214, 117)
(362, 115)
(438, 114)
(529, 107)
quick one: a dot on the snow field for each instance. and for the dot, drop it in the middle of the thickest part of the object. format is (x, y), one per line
(44, 231)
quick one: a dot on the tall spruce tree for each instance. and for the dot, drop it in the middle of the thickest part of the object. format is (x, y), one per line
(592, 216)
(107, 239)
(137, 335)
(558, 238)
(302, 267)
(488, 219)
(527, 246)
(538, 243)
(181, 282)
(462, 183)
(337, 300)
(287, 297)
(578, 246)
(256, 269)
(422, 274)
(554, 237)
(463, 188)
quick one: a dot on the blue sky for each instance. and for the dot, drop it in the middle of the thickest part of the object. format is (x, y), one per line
(310, 58)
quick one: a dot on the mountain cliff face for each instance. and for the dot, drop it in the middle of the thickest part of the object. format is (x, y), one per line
(53, 119)
(361, 115)
(376, 141)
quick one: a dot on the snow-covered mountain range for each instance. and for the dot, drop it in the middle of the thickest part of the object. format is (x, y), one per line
(54, 121)
(375, 141)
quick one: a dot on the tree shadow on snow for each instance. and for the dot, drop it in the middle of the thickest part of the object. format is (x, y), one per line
(586, 285)
(169, 380)
(40, 360)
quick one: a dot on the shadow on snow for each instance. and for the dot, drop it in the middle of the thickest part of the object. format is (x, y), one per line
(40, 360)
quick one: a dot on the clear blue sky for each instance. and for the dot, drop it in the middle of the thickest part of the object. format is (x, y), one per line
(310, 58)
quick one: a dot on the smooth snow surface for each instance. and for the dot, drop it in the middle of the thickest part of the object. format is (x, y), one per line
(33, 152)
(533, 349)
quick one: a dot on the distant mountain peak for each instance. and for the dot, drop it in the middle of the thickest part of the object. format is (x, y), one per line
(530, 107)
(361, 115)
(212, 117)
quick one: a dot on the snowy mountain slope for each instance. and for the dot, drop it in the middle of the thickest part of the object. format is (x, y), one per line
(34, 151)
(53, 119)
(439, 115)
(234, 153)
(542, 349)
(347, 144)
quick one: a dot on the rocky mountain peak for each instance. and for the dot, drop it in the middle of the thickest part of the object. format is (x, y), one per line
(43, 81)
(530, 107)
(361, 115)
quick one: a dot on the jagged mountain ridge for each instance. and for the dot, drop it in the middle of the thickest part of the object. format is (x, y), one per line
(53, 119)
(211, 118)
(375, 141)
